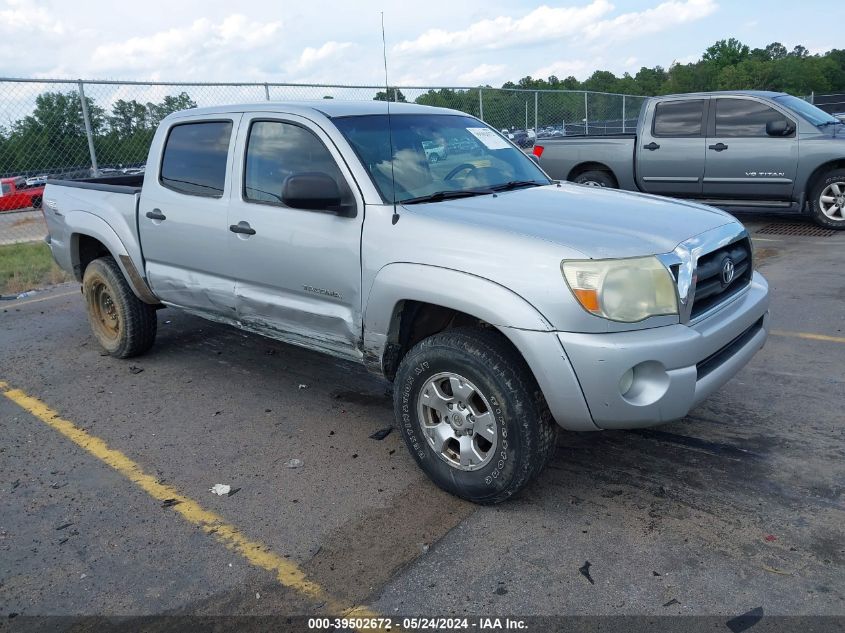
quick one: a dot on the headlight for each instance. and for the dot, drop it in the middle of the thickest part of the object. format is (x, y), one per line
(626, 290)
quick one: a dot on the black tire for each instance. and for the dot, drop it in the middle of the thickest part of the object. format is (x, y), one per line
(36, 202)
(524, 430)
(124, 325)
(832, 178)
(596, 178)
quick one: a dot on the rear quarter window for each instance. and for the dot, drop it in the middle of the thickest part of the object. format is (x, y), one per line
(679, 118)
(195, 157)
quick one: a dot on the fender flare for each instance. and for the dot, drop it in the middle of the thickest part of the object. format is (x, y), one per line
(90, 225)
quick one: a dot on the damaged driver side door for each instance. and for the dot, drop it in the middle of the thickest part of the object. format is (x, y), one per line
(294, 236)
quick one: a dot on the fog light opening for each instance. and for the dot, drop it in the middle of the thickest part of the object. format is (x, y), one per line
(626, 382)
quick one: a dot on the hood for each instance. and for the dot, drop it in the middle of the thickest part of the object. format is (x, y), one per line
(600, 223)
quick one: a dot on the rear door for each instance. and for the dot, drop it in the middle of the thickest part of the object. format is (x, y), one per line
(298, 271)
(743, 161)
(670, 152)
(183, 213)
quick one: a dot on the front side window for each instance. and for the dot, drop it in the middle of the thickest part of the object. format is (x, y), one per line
(195, 156)
(6, 188)
(679, 118)
(744, 117)
(432, 157)
(277, 150)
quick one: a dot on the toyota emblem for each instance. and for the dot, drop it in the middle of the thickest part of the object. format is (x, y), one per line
(728, 271)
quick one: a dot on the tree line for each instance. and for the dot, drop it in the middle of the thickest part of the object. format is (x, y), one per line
(53, 136)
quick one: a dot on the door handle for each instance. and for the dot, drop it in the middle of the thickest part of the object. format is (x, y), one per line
(156, 214)
(651, 146)
(719, 147)
(242, 227)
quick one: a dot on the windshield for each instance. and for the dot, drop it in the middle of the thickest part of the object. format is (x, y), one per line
(814, 115)
(436, 154)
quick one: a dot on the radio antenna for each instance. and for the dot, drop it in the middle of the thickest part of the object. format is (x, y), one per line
(389, 123)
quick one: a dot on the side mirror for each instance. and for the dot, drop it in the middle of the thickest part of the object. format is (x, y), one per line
(315, 191)
(779, 128)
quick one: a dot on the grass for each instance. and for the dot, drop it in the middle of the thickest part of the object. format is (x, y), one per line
(27, 266)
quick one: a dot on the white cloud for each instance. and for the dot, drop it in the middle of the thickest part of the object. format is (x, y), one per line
(201, 42)
(26, 16)
(311, 56)
(542, 23)
(654, 20)
(578, 68)
(483, 73)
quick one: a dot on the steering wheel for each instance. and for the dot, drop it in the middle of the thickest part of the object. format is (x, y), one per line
(459, 169)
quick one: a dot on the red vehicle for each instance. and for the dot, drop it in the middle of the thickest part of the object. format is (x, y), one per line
(15, 194)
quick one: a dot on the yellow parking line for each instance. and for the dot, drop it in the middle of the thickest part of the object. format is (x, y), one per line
(810, 336)
(23, 303)
(257, 554)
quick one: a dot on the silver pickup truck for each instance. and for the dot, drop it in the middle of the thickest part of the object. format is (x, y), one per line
(740, 151)
(501, 304)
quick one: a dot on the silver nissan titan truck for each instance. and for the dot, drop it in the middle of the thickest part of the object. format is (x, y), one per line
(501, 304)
(741, 151)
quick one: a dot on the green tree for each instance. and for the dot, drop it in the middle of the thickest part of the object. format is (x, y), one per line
(169, 105)
(395, 95)
(726, 53)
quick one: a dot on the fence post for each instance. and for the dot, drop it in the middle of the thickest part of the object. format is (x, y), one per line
(86, 118)
(535, 114)
(267, 92)
(526, 115)
(813, 97)
(586, 115)
(623, 114)
(480, 105)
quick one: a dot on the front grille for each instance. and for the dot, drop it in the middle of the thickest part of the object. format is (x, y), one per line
(710, 289)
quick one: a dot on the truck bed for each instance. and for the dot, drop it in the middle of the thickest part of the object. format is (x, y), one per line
(105, 208)
(566, 156)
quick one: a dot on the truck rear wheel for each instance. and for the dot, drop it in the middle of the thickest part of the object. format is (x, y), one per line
(123, 324)
(827, 200)
(596, 178)
(472, 414)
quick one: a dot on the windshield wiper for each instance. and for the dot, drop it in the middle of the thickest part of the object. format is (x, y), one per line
(439, 196)
(516, 184)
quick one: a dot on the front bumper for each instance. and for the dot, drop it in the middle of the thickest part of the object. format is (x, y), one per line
(675, 367)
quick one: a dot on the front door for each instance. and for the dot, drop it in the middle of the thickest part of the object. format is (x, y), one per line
(298, 271)
(182, 217)
(670, 154)
(743, 160)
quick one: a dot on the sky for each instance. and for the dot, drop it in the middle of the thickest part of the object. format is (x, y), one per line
(430, 43)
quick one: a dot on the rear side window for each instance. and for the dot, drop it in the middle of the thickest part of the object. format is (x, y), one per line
(679, 118)
(6, 188)
(277, 150)
(194, 160)
(744, 117)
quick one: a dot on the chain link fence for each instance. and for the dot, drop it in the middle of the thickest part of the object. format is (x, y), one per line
(78, 129)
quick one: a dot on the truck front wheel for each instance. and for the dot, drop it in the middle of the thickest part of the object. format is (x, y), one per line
(472, 415)
(123, 324)
(596, 178)
(827, 200)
